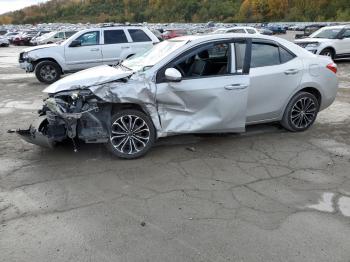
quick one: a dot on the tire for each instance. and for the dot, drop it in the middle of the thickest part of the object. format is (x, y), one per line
(328, 52)
(301, 112)
(130, 144)
(48, 72)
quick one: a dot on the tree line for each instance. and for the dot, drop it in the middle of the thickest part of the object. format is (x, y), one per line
(164, 11)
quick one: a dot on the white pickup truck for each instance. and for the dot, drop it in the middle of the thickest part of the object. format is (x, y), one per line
(85, 49)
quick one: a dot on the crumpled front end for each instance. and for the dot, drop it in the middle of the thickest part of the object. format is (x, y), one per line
(85, 112)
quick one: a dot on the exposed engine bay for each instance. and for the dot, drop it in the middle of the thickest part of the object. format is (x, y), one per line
(67, 115)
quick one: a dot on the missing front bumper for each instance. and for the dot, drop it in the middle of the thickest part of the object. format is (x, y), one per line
(35, 133)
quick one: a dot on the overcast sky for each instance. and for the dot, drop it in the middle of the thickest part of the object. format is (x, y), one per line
(11, 5)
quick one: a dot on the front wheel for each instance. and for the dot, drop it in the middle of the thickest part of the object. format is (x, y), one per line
(301, 112)
(132, 134)
(328, 52)
(47, 72)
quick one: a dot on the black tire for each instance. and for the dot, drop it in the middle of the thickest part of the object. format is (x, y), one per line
(328, 52)
(48, 72)
(301, 112)
(134, 134)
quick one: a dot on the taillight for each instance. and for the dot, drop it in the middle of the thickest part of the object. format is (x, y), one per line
(332, 67)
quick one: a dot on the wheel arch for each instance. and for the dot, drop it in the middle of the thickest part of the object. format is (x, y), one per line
(36, 62)
(122, 106)
(314, 91)
(329, 47)
(309, 89)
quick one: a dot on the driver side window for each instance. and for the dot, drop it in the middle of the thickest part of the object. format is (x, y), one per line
(346, 34)
(89, 38)
(212, 60)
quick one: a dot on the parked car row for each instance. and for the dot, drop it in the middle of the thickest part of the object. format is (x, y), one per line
(4, 42)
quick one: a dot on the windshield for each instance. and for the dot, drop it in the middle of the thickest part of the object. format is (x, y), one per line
(145, 60)
(48, 35)
(326, 33)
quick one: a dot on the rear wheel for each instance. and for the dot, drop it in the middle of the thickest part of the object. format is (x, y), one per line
(47, 72)
(132, 134)
(301, 112)
(328, 52)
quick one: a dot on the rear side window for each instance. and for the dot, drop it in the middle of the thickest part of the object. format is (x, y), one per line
(251, 31)
(264, 55)
(285, 55)
(114, 37)
(138, 35)
(59, 35)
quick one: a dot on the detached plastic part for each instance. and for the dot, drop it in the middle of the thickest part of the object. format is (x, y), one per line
(34, 133)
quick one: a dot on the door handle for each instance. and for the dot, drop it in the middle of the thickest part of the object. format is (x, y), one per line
(236, 87)
(95, 49)
(125, 47)
(291, 71)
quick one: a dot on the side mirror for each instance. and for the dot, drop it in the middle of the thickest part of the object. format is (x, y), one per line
(75, 43)
(173, 75)
(341, 37)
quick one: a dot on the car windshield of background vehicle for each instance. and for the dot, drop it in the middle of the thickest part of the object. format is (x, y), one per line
(326, 33)
(147, 59)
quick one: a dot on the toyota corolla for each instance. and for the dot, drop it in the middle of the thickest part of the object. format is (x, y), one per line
(190, 84)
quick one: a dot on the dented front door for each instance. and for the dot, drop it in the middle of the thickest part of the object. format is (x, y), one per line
(204, 104)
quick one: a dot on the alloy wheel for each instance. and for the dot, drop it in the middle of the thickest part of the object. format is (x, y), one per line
(48, 72)
(303, 112)
(130, 134)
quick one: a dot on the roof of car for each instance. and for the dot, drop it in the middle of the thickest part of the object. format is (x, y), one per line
(336, 27)
(207, 37)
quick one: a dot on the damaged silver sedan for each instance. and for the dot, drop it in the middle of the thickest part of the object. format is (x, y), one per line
(191, 84)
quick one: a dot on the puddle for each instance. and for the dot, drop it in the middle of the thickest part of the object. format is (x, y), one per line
(344, 205)
(325, 204)
(332, 146)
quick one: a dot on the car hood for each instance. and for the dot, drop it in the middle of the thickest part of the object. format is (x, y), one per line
(90, 77)
(312, 40)
(29, 49)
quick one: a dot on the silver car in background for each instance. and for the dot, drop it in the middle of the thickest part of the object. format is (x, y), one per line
(191, 84)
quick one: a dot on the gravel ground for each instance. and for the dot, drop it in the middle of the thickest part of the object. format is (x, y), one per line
(266, 195)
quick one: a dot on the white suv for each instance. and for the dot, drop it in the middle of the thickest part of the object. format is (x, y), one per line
(332, 41)
(85, 49)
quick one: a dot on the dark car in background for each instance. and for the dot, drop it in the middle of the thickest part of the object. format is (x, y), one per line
(308, 30)
(24, 38)
(276, 29)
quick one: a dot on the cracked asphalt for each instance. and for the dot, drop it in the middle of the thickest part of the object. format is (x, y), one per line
(266, 195)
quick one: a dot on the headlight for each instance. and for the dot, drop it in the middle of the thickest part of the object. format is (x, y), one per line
(313, 45)
(25, 55)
